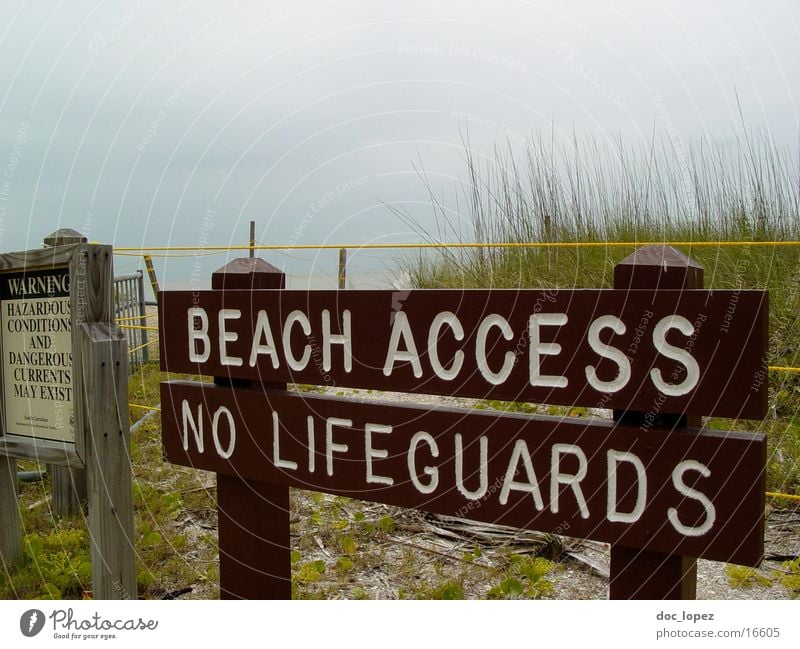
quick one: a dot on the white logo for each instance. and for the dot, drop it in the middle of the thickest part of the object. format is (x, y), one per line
(31, 622)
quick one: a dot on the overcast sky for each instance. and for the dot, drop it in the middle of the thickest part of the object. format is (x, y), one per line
(169, 123)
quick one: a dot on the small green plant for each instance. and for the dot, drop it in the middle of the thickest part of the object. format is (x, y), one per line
(386, 524)
(310, 572)
(447, 590)
(790, 577)
(526, 577)
(744, 577)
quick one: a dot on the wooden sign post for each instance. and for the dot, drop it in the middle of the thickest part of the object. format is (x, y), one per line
(255, 555)
(63, 396)
(636, 573)
(654, 485)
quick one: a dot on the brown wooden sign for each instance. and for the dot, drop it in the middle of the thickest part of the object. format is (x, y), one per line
(698, 493)
(670, 351)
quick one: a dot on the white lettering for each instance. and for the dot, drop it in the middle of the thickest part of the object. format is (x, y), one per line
(680, 485)
(509, 484)
(330, 447)
(195, 424)
(200, 335)
(375, 454)
(493, 320)
(676, 354)
(343, 339)
(609, 352)
(226, 337)
(431, 471)
(573, 480)
(483, 469)
(613, 515)
(539, 349)
(263, 331)
(445, 318)
(312, 459)
(296, 316)
(276, 446)
(401, 329)
(227, 452)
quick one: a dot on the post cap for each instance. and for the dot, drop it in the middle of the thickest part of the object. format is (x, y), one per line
(248, 273)
(658, 266)
(63, 237)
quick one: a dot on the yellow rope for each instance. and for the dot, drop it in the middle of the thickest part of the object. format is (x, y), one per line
(502, 244)
(779, 368)
(772, 494)
(136, 405)
(136, 349)
(137, 317)
(140, 327)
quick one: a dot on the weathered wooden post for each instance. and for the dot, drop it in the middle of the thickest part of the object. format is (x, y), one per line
(254, 558)
(342, 283)
(68, 485)
(104, 351)
(151, 273)
(636, 573)
(10, 530)
(143, 319)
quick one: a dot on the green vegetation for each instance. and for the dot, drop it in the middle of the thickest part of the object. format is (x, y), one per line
(172, 507)
(743, 577)
(789, 576)
(745, 190)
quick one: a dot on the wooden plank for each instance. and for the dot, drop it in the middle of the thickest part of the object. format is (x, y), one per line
(10, 530)
(641, 574)
(105, 396)
(34, 259)
(69, 489)
(254, 545)
(698, 352)
(254, 532)
(51, 453)
(697, 492)
(91, 300)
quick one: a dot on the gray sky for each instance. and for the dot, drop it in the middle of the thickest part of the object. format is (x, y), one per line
(144, 123)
